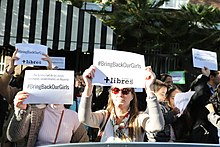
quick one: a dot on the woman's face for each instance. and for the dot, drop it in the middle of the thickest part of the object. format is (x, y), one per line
(171, 97)
(121, 97)
(161, 94)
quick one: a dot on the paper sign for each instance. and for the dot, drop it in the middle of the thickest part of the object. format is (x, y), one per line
(181, 100)
(31, 54)
(118, 68)
(177, 76)
(49, 86)
(138, 89)
(203, 59)
(58, 62)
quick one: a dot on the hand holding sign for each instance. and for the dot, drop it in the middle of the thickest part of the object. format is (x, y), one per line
(181, 100)
(116, 68)
(48, 59)
(88, 75)
(150, 77)
(19, 99)
(204, 58)
(11, 66)
(31, 54)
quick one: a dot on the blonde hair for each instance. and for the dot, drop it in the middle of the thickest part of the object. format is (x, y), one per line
(132, 123)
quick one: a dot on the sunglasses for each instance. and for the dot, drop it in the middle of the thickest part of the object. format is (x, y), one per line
(124, 91)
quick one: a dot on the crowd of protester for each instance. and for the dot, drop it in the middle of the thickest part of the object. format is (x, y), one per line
(110, 114)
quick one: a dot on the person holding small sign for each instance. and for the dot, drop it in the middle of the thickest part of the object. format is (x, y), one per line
(9, 88)
(121, 121)
(8, 91)
(202, 130)
(40, 124)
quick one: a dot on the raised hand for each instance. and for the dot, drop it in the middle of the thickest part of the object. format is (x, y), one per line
(88, 75)
(48, 59)
(11, 66)
(19, 99)
(206, 71)
(150, 78)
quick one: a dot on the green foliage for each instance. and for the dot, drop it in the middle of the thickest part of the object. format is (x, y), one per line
(141, 25)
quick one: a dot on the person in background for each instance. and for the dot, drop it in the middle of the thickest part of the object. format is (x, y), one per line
(9, 92)
(166, 78)
(166, 135)
(202, 130)
(181, 125)
(214, 108)
(10, 85)
(121, 121)
(3, 112)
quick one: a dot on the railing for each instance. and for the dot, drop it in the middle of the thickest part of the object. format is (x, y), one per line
(135, 144)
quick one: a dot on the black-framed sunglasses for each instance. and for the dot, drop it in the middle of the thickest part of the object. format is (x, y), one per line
(124, 91)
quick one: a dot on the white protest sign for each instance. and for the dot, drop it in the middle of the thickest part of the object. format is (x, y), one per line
(58, 62)
(31, 54)
(203, 59)
(118, 68)
(181, 100)
(49, 86)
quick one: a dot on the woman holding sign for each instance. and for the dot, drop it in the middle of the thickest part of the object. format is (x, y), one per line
(121, 121)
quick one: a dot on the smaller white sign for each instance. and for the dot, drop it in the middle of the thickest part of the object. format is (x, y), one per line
(203, 59)
(181, 100)
(31, 54)
(119, 68)
(58, 62)
(49, 86)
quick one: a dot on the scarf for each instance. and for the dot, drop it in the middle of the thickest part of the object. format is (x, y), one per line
(120, 131)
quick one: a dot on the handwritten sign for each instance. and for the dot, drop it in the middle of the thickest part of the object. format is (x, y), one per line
(31, 54)
(181, 100)
(203, 59)
(49, 86)
(118, 68)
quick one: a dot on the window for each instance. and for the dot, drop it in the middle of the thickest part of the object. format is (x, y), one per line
(174, 4)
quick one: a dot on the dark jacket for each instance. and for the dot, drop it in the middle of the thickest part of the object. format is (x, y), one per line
(202, 130)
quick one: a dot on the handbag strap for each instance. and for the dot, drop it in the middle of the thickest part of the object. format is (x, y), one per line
(101, 131)
(58, 128)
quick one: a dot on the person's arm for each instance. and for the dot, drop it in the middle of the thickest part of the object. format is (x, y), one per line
(6, 90)
(80, 135)
(199, 85)
(19, 125)
(85, 114)
(20, 121)
(48, 59)
(155, 121)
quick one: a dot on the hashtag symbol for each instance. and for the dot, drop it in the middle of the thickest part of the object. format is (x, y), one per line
(99, 63)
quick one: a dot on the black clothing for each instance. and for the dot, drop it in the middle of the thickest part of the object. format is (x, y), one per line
(202, 131)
